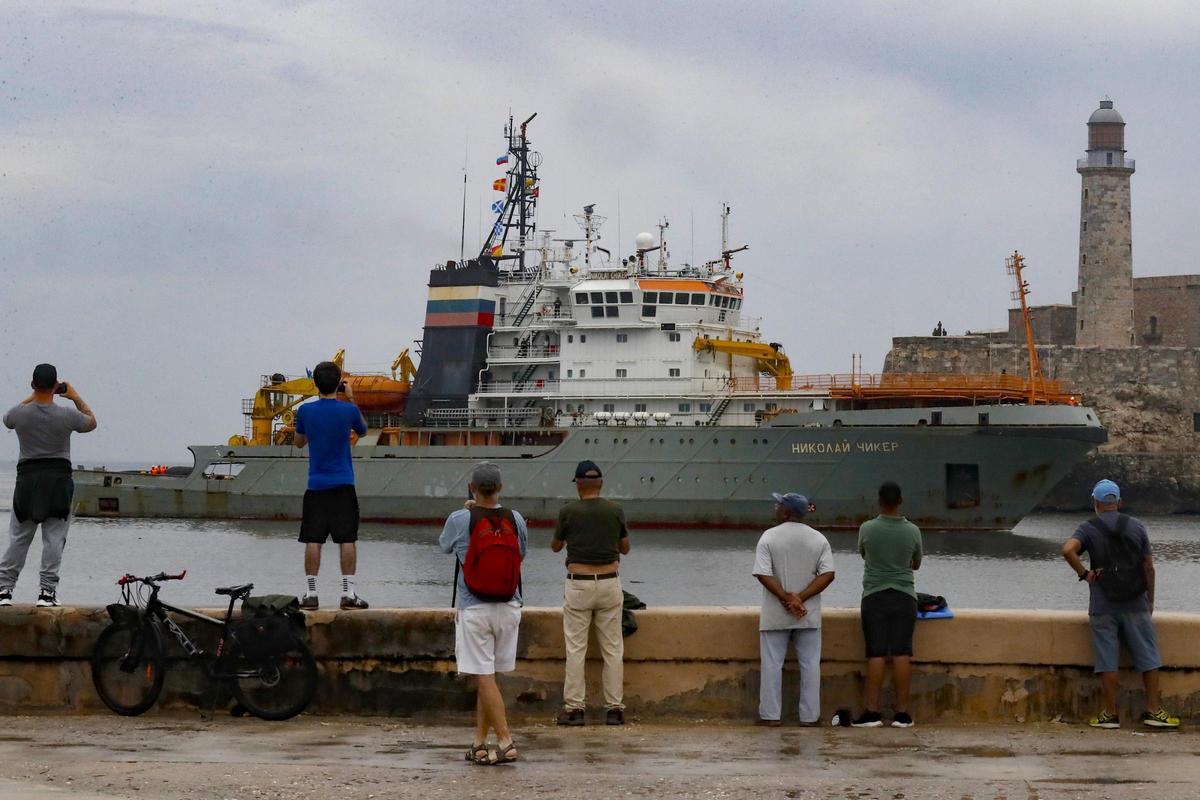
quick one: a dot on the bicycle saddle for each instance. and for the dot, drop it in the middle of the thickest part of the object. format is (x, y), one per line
(236, 591)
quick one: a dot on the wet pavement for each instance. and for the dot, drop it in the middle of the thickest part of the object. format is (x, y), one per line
(183, 756)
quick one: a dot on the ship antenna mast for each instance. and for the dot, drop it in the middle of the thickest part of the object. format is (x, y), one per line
(662, 245)
(726, 253)
(518, 208)
(1014, 265)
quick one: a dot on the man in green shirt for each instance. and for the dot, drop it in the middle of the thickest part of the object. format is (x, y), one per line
(891, 549)
(593, 532)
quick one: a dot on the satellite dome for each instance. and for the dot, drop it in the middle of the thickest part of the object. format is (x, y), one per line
(644, 241)
(1106, 114)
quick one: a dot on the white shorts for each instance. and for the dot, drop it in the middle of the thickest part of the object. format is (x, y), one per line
(485, 638)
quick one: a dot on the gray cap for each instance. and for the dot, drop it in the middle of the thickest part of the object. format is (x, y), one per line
(485, 474)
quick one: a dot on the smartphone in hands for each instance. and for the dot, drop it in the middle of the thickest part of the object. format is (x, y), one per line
(62, 388)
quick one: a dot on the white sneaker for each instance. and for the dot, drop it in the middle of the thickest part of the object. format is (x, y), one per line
(5, 597)
(46, 599)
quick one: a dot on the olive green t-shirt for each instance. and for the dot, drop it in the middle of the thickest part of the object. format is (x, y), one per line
(889, 545)
(593, 530)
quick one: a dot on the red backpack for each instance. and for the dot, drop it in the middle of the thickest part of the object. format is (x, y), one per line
(492, 567)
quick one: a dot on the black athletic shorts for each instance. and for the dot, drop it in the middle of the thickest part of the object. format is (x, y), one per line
(888, 619)
(330, 513)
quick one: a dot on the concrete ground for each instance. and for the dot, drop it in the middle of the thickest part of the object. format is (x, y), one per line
(182, 756)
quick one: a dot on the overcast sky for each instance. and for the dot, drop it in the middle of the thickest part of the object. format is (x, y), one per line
(194, 195)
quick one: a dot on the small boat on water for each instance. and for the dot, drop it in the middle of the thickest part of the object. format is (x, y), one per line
(540, 352)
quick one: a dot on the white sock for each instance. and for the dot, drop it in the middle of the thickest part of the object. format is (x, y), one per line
(312, 584)
(348, 586)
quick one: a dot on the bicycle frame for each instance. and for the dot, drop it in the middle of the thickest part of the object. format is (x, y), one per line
(157, 611)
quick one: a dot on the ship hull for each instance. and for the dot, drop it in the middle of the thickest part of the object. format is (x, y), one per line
(954, 477)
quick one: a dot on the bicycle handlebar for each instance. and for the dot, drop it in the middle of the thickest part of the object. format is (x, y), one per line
(150, 579)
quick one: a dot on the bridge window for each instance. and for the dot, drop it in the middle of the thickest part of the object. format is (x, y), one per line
(598, 311)
(622, 373)
(666, 298)
(626, 297)
(697, 299)
(610, 297)
(649, 297)
(681, 298)
(673, 372)
(649, 311)
(610, 311)
(581, 298)
(597, 297)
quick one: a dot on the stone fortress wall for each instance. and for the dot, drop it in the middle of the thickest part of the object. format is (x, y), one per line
(1147, 397)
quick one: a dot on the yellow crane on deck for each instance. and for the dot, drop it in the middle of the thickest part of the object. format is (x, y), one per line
(768, 358)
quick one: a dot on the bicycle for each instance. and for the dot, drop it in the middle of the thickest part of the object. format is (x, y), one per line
(128, 663)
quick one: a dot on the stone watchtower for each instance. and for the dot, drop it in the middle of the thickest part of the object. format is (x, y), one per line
(1104, 302)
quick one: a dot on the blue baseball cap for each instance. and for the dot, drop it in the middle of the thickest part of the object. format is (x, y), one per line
(587, 469)
(1106, 492)
(793, 502)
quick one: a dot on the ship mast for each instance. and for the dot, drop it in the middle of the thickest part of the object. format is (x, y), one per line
(517, 212)
(1014, 264)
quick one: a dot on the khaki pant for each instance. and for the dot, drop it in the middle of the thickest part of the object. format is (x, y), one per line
(586, 602)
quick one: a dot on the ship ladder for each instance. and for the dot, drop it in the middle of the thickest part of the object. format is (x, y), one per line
(718, 410)
(531, 296)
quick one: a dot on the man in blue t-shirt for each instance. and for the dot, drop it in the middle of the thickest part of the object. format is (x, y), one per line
(330, 503)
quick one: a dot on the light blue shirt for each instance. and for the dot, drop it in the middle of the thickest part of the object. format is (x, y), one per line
(455, 538)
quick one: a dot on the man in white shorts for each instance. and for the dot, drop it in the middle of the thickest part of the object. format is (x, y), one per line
(485, 628)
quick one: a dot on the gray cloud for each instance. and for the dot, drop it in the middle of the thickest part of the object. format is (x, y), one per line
(193, 196)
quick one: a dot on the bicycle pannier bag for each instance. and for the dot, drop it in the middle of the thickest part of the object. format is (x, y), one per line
(270, 625)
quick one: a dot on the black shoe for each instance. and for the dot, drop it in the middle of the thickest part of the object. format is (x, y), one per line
(902, 719)
(571, 716)
(46, 599)
(768, 723)
(868, 719)
(355, 602)
(5, 597)
(614, 716)
(310, 602)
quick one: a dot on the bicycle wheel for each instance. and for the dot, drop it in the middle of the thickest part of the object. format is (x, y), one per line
(274, 687)
(127, 667)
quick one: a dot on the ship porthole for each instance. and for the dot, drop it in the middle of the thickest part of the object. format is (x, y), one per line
(733, 441)
(691, 441)
(624, 441)
(754, 441)
(652, 479)
(716, 441)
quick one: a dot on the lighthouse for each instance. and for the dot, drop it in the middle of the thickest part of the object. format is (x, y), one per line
(1104, 300)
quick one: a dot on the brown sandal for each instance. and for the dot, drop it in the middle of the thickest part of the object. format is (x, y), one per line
(478, 754)
(506, 755)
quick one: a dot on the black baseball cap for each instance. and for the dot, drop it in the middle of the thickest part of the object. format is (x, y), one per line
(45, 376)
(587, 469)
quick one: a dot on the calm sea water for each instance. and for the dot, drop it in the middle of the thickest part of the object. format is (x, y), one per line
(402, 566)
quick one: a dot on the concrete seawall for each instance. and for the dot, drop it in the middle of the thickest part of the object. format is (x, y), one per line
(682, 663)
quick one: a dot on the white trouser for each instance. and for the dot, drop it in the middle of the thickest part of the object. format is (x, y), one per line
(773, 647)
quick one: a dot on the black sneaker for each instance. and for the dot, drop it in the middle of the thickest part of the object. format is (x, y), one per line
(5, 597)
(356, 602)
(902, 719)
(614, 716)
(868, 719)
(571, 716)
(310, 602)
(46, 599)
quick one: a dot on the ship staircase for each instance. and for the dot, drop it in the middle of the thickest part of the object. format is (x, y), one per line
(715, 416)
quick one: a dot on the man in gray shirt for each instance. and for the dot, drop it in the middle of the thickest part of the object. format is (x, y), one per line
(44, 487)
(794, 564)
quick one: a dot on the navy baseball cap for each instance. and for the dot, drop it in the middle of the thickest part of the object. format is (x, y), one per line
(45, 376)
(587, 469)
(1106, 492)
(796, 503)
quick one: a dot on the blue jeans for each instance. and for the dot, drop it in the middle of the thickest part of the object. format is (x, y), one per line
(1135, 629)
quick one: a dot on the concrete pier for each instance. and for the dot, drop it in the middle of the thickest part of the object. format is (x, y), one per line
(683, 663)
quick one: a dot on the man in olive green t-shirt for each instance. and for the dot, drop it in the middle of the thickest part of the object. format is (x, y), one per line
(891, 549)
(593, 531)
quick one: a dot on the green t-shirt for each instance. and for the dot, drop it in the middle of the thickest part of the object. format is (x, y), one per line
(593, 530)
(889, 546)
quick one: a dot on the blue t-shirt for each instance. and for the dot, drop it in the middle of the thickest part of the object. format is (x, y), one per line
(327, 424)
(455, 538)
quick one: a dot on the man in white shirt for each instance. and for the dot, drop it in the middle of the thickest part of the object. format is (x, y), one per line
(794, 564)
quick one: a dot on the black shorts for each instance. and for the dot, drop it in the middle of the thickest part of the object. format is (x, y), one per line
(888, 619)
(330, 513)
